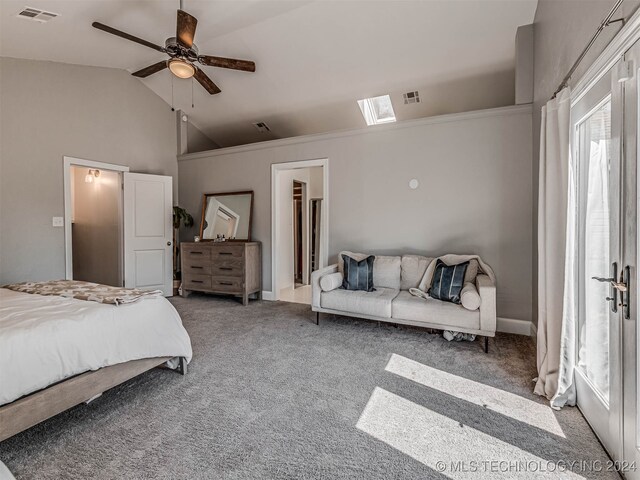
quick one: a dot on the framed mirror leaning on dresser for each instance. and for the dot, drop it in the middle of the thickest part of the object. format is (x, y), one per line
(227, 215)
(232, 266)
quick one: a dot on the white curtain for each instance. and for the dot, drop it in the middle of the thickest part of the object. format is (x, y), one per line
(556, 255)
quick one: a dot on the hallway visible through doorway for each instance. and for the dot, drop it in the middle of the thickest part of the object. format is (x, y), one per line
(299, 224)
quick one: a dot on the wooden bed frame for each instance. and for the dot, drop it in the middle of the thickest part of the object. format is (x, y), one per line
(35, 408)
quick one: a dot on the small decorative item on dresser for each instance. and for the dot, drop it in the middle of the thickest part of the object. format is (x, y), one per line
(196, 238)
(233, 268)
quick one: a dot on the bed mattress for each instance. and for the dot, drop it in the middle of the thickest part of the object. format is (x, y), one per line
(44, 340)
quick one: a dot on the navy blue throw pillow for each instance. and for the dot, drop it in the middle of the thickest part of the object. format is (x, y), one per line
(358, 275)
(448, 282)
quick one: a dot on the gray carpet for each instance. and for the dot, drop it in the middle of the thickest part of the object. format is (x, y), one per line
(271, 395)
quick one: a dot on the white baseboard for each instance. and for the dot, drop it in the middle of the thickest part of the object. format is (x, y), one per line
(517, 327)
(267, 295)
(534, 332)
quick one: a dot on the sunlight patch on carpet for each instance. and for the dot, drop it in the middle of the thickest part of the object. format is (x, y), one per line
(505, 403)
(447, 446)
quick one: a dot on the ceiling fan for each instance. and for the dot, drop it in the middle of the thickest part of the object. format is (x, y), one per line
(183, 54)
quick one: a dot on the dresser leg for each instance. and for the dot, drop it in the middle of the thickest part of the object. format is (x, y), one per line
(245, 299)
(185, 292)
(317, 318)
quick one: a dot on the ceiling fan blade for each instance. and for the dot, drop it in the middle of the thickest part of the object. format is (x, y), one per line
(118, 33)
(151, 69)
(186, 28)
(232, 63)
(206, 82)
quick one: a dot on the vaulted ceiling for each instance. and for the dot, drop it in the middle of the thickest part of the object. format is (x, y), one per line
(314, 59)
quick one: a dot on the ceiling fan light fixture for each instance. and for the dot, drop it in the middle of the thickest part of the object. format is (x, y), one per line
(181, 68)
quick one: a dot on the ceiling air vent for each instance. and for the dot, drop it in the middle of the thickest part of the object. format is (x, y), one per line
(411, 97)
(29, 13)
(261, 127)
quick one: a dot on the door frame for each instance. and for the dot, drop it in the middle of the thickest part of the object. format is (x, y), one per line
(604, 415)
(276, 169)
(68, 162)
(304, 240)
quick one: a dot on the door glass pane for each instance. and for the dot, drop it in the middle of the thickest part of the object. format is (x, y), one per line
(595, 156)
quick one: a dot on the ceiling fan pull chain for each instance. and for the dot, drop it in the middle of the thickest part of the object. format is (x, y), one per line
(172, 107)
(191, 92)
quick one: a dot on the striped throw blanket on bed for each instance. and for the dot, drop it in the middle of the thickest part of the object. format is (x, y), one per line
(92, 292)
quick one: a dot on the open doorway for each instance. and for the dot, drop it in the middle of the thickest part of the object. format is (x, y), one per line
(94, 222)
(299, 228)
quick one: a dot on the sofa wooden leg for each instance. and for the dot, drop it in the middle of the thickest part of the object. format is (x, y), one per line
(486, 344)
(317, 318)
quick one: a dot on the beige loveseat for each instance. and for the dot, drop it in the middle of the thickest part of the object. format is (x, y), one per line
(393, 276)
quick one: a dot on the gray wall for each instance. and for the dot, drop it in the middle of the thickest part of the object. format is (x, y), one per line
(198, 141)
(48, 110)
(562, 28)
(474, 196)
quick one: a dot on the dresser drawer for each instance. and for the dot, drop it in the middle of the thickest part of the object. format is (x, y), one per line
(228, 267)
(194, 281)
(195, 252)
(220, 253)
(197, 267)
(227, 284)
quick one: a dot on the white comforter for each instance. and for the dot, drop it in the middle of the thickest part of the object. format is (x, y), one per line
(46, 339)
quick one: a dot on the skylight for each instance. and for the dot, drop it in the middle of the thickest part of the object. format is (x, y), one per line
(377, 110)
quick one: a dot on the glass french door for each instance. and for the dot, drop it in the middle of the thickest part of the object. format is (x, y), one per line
(596, 146)
(630, 459)
(605, 145)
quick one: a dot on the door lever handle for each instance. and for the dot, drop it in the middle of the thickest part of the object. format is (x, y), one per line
(620, 286)
(604, 280)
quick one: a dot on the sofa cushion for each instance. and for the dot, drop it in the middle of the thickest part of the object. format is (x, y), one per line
(331, 281)
(469, 297)
(358, 274)
(413, 268)
(449, 315)
(386, 269)
(377, 303)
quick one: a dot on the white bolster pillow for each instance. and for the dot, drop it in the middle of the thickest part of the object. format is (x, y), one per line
(331, 281)
(469, 297)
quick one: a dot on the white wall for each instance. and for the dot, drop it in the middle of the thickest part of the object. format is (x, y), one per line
(475, 190)
(48, 110)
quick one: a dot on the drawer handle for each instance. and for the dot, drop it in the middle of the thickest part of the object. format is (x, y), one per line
(194, 266)
(195, 253)
(225, 283)
(197, 281)
(226, 253)
(226, 268)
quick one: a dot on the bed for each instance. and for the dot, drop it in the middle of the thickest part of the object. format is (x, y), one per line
(58, 352)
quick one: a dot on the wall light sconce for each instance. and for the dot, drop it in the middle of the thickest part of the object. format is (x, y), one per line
(91, 174)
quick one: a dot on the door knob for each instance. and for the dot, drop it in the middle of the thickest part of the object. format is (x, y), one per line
(168, 244)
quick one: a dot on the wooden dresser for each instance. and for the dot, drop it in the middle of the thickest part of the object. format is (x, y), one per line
(233, 268)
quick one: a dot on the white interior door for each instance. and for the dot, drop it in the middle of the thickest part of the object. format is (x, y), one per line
(597, 125)
(148, 222)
